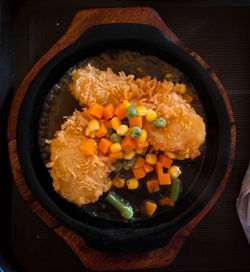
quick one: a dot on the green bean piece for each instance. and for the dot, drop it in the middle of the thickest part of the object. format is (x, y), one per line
(136, 133)
(125, 165)
(159, 122)
(132, 162)
(115, 138)
(125, 210)
(128, 164)
(131, 112)
(175, 189)
(118, 166)
(110, 132)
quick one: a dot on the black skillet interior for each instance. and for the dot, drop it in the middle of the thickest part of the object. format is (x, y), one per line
(104, 234)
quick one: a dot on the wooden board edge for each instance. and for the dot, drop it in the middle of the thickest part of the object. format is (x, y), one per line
(152, 259)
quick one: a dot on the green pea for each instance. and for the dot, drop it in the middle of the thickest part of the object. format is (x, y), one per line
(159, 122)
(131, 112)
(110, 132)
(135, 133)
(115, 138)
(118, 166)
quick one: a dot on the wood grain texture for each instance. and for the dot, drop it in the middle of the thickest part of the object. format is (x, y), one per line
(43, 214)
(17, 173)
(90, 258)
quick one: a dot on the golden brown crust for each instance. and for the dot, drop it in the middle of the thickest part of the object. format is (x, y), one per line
(77, 178)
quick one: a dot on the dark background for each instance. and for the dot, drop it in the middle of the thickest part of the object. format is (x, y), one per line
(219, 31)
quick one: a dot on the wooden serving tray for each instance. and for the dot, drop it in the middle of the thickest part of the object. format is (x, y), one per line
(90, 258)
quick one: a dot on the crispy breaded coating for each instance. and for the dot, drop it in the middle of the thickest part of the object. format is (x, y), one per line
(91, 85)
(77, 178)
(185, 131)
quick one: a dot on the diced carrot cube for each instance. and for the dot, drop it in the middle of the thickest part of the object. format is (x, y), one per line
(150, 208)
(153, 186)
(139, 172)
(104, 145)
(116, 155)
(108, 112)
(102, 131)
(120, 111)
(164, 179)
(159, 168)
(167, 201)
(140, 162)
(148, 168)
(95, 110)
(108, 124)
(128, 144)
(165, 161)
(135, 122)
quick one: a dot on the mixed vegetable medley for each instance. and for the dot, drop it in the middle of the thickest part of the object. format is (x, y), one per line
(117, 132)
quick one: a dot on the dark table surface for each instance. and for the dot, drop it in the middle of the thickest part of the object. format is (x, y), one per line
(218, 33)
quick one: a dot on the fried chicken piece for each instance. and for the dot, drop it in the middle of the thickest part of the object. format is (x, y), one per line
(185, 131)
(91, 85)
(77, 178)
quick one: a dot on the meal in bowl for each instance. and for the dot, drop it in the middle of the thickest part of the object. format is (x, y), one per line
(129, 136)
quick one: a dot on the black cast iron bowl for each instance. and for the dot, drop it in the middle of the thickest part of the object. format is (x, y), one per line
(109, 235)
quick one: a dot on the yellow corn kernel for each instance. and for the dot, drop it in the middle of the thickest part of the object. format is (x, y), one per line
(128, 132)
(151, 115)
(126, 103)
(174, 171)
(89, 133)
(141, 110)
(93, 125)
(122, 130)
(129, 155)
(143, 137)
(132, 184)
(118, 182)
(115, 147)
(115, 123)
(180, 88)
(151, 158)
(139, 151)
